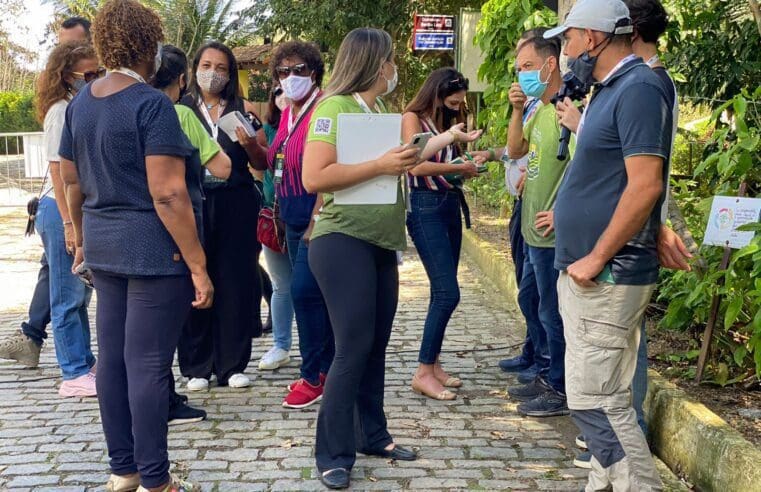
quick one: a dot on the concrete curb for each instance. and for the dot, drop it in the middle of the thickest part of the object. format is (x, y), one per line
(693, 441)
(484, 254)
(697, 443)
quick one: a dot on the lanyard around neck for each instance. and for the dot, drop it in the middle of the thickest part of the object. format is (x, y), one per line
(130, 73)
(304, 110)
(618, 67)
(653, 60)
(207, 116)
(363, 104)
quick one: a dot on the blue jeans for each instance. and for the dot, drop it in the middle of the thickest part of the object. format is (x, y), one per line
(281, 305)
(69, 297)
(316, 343)
(639, 383)
(517, 247)
(39, 307)
(538, 300)
(435, 226)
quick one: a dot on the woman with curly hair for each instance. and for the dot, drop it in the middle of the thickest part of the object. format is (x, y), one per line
(133, 189)
(218, 341)
(69, 68)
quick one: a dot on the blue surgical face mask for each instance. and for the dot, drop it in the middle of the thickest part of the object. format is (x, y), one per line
(531, 82)
(77, 85)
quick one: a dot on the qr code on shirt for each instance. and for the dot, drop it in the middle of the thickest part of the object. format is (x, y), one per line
(322, 126)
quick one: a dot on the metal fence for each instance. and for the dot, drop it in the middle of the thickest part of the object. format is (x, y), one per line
(22, 167)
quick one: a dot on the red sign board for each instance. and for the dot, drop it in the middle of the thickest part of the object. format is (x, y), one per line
(434, 23)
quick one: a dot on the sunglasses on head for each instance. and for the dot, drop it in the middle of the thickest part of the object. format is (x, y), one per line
(299, 70)
(460, 84)
(90, 76)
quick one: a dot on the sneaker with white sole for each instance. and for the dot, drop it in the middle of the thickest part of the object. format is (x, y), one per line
(583, 460)
(198, 384)
(20, 348)
(81, 387)
(274, 359)
(176, 484)
(239, 381)
(581, 443)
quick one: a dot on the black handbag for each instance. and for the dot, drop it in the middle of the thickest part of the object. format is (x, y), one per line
(34, 204)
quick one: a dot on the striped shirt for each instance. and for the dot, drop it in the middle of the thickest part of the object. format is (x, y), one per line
(295, 202)
(447, 154)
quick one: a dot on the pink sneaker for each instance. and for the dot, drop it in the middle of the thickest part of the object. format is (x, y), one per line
(83, 386)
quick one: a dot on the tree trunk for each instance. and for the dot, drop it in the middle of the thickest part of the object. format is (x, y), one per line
(756, 13)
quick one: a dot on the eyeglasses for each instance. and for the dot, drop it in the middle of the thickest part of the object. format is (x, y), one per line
(460, 84)
(299, 70)
(90, 76)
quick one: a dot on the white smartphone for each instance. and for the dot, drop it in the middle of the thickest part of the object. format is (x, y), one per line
(419, 140)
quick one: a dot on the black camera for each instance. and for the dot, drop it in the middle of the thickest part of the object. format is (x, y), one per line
(576, 90)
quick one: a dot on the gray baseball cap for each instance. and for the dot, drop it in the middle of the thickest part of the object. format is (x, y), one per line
(597, 15)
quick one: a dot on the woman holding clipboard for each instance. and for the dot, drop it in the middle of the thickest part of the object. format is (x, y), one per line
(353, 257)
(218, 340)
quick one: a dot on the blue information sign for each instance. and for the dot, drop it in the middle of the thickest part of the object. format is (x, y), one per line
(434, 41)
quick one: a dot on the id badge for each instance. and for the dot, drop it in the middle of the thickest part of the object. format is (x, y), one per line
(279, 165)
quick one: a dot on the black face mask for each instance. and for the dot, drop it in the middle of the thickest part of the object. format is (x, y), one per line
(449, 114)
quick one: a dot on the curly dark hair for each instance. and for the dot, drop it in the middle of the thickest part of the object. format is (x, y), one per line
(309, 52)
(126, 33)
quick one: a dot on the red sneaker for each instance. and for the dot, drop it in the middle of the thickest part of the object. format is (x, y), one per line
(302, 395)
(323, 377)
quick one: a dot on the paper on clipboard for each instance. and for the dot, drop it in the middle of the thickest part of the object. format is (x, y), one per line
(514, 169)
(361, 137)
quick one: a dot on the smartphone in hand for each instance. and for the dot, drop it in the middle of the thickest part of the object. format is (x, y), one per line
(419, 141)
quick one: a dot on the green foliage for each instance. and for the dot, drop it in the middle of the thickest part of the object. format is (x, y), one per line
(16, 115)
(328, 21)
(187, 23)
(502, 23)
(732, 156)
(714, 46)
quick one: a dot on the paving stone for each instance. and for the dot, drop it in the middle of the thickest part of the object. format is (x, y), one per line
(251, 443)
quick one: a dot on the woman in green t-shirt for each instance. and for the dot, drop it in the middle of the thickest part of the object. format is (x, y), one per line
(353, 257)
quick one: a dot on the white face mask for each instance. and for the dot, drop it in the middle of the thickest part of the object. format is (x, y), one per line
(211, 81)
(391, 83)
(296, 88)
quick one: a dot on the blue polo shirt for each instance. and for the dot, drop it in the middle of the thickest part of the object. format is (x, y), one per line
(628, 115)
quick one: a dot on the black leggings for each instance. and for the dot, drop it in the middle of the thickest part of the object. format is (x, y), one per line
(360, 284)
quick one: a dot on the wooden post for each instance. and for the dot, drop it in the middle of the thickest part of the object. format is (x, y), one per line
(715, 301)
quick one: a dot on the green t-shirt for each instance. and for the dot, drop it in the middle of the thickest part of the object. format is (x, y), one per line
(543, 173)
(381, 225)
(196, 133)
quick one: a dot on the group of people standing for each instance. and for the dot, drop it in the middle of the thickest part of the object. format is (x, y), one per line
(161, 208)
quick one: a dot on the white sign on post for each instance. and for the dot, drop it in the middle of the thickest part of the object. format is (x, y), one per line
(727, 214)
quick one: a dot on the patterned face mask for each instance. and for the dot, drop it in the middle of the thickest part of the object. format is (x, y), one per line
(211, 81)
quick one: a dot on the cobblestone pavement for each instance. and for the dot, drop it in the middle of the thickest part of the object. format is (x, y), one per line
(250, 442)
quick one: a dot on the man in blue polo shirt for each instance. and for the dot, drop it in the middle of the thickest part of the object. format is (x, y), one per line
(607, 217)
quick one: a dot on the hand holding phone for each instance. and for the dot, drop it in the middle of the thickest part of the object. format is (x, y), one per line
(419, 141)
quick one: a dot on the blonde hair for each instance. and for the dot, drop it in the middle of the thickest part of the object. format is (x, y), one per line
(357, 67)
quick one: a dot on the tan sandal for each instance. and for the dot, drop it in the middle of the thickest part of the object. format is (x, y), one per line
(452, 382)
(445, 395)
(118, 483)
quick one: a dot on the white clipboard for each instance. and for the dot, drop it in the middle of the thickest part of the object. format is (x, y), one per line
(361, 137)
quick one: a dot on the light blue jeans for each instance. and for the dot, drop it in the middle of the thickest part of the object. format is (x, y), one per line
(69, 297)
(280, 270)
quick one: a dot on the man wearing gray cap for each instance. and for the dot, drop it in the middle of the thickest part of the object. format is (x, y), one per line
(607, 217)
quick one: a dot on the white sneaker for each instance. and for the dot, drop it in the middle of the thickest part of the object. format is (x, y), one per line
(238, 381)
(274, 358)
(198, 384)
